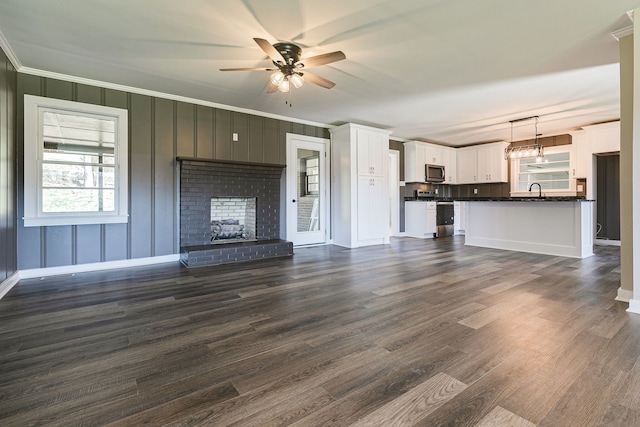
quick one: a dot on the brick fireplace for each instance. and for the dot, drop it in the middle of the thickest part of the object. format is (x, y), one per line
(202, 181)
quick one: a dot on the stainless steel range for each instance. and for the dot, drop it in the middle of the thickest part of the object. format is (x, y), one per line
(444, 212)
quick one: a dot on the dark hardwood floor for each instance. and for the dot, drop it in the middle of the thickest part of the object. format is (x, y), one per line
(419, 332)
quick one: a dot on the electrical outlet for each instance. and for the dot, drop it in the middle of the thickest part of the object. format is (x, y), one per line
(235, 137)
(436, 191)
(475, 191)
(580, 188)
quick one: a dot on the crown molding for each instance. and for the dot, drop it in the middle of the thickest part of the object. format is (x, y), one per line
(4, 44)
(173, 97)
(626, 31)
(623, 32)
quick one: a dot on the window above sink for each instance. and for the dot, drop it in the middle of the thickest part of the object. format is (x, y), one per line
(552, 173)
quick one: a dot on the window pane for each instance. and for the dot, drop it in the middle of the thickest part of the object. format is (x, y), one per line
(551, 172)
(61, 175)
(68, 127)
(77, 200)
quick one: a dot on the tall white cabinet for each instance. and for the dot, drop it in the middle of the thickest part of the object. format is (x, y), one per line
(360, 185)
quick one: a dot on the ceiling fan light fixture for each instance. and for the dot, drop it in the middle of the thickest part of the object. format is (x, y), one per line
(296, 80)
(284, 85)
(277, 78)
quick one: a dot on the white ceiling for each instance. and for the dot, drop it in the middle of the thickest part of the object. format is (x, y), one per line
(449, 71)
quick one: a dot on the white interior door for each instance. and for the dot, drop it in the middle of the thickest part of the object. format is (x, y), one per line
(307, 190)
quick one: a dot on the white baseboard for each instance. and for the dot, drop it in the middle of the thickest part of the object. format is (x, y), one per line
(8, 283)
(96, 266)
(624, 295)
(606, 242)
(634, 306)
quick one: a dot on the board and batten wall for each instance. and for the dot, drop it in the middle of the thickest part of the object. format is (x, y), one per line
(8, 232)
(159, 130)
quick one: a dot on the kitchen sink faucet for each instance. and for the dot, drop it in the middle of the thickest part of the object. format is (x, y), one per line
(539, 188)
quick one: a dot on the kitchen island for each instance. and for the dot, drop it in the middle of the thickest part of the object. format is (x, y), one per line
(552, 226)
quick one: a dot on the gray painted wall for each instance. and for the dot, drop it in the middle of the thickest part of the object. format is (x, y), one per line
(159, 130)
(8, 243)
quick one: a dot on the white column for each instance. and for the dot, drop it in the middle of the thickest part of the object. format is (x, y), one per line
(634, 173)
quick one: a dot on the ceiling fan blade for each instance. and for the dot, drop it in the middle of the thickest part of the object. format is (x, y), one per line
(247, 69)
(271, 51)
(325, 58)
(272, 88)
(317, 80)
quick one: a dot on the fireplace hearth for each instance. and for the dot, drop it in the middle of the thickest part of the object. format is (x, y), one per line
(229, 212)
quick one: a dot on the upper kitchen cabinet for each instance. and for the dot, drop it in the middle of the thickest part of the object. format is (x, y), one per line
(492, 166)
(433, 154)
(482, 164)
(418, 154)
(414, 161)
(581, 152)
(449, 161)
(359, 185)
(467, 168)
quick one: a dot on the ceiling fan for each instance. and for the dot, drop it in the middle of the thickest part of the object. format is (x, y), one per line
(290, 68)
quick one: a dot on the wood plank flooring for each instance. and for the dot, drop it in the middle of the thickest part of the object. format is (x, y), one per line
(419, 332)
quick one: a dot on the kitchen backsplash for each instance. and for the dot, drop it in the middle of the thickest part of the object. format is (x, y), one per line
(500, 189)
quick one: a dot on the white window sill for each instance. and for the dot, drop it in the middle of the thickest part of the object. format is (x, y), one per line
(75, 220)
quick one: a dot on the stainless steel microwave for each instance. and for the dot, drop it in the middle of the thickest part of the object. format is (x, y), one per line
(434, 173)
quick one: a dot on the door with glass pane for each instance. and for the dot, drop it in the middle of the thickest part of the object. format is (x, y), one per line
(306, 190)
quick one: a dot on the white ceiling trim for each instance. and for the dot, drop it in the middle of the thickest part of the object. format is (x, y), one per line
(623, 32)
(139, 91)
(4, 44)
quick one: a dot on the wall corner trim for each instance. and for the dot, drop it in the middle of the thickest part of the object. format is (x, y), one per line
(96, 266)
(624, 295)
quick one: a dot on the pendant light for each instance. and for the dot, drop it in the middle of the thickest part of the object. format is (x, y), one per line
(525, 151)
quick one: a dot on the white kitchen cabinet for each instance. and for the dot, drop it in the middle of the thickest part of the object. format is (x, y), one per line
(433, 155)
(371, 218)
(581, 146)
(492, 166)
(467, 165)
(414, 161)
(449, 162)
(359, 185)
(373, 152)
(417, 154)
(459, 217)
(482, 164)
(420, 219)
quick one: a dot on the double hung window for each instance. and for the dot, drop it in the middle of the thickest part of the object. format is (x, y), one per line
(75, 163)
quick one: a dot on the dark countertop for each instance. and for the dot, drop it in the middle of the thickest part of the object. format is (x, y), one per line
(501, 199)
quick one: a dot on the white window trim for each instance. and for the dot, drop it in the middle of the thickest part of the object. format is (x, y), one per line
(33, 148)
(571, 191)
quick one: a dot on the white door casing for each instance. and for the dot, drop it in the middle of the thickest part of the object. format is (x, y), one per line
(307, 210)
